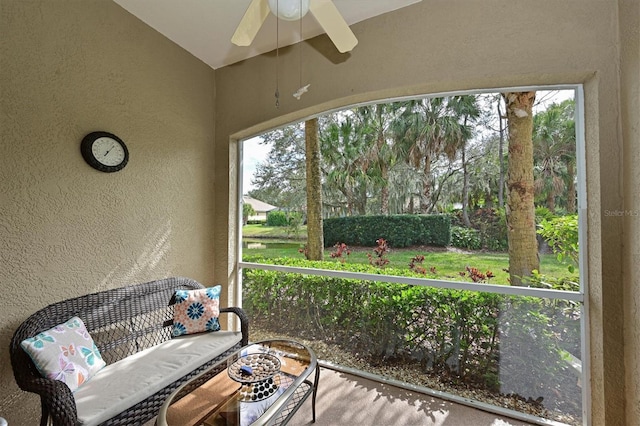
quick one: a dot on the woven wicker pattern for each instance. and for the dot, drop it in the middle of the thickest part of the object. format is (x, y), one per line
(121, 321)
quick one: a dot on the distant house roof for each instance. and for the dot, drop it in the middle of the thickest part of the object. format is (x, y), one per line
(258, 206)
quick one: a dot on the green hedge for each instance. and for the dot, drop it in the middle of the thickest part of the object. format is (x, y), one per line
(398, 230)
(507, 344)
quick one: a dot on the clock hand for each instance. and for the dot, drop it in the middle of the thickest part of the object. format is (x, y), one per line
(109, 150)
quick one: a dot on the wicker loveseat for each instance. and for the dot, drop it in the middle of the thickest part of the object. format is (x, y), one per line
(131, 326)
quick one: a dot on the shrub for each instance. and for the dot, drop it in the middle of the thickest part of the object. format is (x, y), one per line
(509, 344)
(277, 218)
(381, 250)
(491, 225)
(341, 249)
(543, 213)
(563, 315)
(416, 265)
(399, 230)
(465, 238)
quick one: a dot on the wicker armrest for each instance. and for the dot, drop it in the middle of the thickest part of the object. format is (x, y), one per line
(244, 322)
(58, 400)
(55, 396)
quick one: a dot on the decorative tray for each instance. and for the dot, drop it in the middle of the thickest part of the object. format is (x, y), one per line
(254, 392)
(254, 368)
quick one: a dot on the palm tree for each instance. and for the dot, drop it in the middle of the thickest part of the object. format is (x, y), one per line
(428, 129)
(521, 225)
(344, 166)
(375, 122)
(554, 153)
(467, 110)
(247, 210)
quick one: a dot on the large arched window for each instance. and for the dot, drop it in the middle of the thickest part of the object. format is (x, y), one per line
(420, 202)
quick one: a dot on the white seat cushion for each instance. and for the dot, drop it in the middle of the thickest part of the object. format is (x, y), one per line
(123, 384)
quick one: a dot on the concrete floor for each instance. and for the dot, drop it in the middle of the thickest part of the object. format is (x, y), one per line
(345, 399)
(349, 400)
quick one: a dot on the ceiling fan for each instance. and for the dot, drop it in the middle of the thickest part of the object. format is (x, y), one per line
(324, 11)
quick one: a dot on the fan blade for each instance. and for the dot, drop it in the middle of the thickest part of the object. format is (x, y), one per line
(251, 22)
(334, 25)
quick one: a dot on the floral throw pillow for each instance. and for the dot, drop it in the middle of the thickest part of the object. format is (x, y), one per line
(65, 352)
(196, 311)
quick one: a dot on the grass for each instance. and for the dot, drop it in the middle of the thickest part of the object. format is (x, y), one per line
(271, 232)
(448, 263)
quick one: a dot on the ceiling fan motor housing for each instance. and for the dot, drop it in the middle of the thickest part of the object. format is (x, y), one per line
(289, 10)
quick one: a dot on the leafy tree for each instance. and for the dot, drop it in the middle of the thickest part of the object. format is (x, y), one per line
(406, 182)
(280, 179)
(294, 223)
(484, 182)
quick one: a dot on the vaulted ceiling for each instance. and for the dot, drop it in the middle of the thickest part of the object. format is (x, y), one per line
(204, 27)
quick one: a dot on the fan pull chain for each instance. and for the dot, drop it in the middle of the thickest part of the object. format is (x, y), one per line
(277, 94)
(300, 46)
(301, 89)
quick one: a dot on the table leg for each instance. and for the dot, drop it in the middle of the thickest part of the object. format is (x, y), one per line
(315, 392)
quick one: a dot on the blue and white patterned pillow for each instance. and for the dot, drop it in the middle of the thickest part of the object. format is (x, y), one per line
(65, 352)
(196, 311)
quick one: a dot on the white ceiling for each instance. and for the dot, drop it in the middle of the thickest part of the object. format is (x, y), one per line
(204, 27)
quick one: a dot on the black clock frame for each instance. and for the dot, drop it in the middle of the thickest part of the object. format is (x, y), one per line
(87, 152)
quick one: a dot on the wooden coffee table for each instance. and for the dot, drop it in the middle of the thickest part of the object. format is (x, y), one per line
(269, 392)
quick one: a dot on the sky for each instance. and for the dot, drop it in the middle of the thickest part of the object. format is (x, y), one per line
(254, 153)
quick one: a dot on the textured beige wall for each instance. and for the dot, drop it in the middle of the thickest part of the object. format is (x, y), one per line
(630, 122)
(438, 46)
(68, 67)
(72, 66)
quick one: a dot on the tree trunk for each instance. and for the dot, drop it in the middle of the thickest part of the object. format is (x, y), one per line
(315, 239)
(488, 200)
(551, 201)
(521, 224)
(425, 196)
(384, 191)
(465, 190)
(500, 161)
(571, 188)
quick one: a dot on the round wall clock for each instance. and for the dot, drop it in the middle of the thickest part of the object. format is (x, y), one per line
(104, 151)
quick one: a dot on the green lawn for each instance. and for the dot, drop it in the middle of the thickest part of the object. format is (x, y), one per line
(447, 262)
(271, 232)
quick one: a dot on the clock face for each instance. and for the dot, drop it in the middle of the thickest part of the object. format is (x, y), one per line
(108, 151)
(104, 151)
